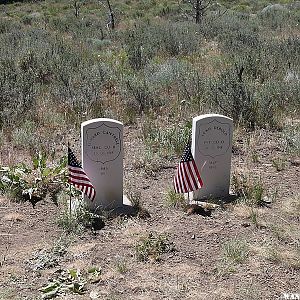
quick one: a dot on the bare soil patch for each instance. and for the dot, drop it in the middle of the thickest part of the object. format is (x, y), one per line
(217, 257)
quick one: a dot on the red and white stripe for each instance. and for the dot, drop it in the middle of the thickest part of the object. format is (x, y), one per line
(78, 177)
(187, 177)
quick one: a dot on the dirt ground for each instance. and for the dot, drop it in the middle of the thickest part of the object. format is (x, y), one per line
(197, 268)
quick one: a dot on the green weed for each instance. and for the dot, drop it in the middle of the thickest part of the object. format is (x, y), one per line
(235, 251)
(279, 164)
(80, 217)
(121, 266)
(173, 199)
(166, 141)
(254, 217)
(34, 183)
(152, 247)
(291, 139)
(70, 281)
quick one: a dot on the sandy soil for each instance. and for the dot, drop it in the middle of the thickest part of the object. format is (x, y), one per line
(197, 269)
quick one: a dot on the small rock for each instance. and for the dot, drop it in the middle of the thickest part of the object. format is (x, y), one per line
(267, 200)
(94, 295)
(193, 237)
(246, 224)
(295, 162)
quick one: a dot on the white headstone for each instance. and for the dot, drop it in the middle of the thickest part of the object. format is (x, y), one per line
(211, 148)
(102, 160)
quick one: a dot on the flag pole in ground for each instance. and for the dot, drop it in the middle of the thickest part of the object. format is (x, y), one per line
(70, 191)
(70, 205)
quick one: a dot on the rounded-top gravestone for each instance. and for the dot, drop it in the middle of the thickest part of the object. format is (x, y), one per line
(102, 160)
(211, 148)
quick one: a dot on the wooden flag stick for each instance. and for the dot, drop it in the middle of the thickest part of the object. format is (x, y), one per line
(70, 191)
(70, 205)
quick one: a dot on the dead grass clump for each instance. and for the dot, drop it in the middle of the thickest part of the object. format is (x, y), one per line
(250, 190)
(135, 200)
(121, 266)
(234, 252)
(15, 217)
(291, 259)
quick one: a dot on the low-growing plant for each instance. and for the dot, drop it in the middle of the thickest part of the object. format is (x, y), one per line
(254, 216)
(248, 189)
(24, 136)
(152, 247)
(256, 193)
(94, 274)
(235, 251)
(49, 258)
(279, 164)
(150, 162)
(292, 206)
(121, 266)
(279, 232)
(291, 139)
(174, 199)
(78, 218)
(134, 197)
(254, 157)
(273, 254)
(166, 141)
(23, 182)
(69, 281)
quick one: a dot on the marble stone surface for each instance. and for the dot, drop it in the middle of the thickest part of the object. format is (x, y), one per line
(212, 150)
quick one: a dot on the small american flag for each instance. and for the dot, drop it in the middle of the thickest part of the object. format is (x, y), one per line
(187, 178)
(78, 178)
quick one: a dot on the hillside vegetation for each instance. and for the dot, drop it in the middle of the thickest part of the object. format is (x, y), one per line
(60, 69)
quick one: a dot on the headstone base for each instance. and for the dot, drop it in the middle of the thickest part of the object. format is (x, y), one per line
(127, 208)
(210, 201)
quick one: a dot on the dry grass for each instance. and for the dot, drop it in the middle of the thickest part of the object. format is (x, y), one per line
(14, 217)
(291, 206)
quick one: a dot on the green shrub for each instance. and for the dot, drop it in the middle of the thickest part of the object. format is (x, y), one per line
(171, 39)
(23, 182)
(276, 18)
(248, 102)
(291, 139)
(25, 135)
(169, 140)
(79, 219)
